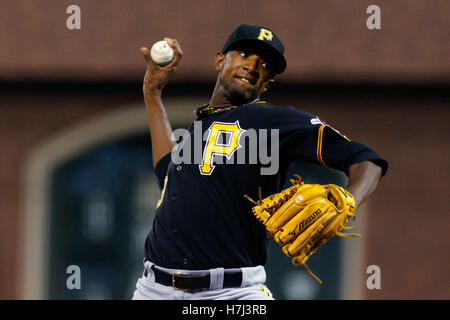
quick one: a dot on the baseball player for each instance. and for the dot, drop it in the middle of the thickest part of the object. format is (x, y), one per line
(206, 242)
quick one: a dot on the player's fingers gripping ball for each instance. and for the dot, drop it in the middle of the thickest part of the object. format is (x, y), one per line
(304, 217)
(161, 53)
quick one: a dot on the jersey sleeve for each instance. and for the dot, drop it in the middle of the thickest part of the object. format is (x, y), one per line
(305, 137)
(298, 135)
(161, 169)
(338, 152)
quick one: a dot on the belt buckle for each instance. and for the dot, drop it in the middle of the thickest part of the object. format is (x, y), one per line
(181, 276)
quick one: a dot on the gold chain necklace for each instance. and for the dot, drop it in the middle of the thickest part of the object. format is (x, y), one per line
(206, 110)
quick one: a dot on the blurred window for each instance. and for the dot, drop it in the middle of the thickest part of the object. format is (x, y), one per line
(103, 204)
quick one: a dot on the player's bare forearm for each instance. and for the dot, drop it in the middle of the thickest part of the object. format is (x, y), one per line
(160, 128)
(363, 180)
(156, 78)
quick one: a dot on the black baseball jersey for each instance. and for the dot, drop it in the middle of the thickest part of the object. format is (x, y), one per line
(203, 220)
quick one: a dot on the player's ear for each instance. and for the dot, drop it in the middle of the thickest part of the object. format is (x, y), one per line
(220, 57)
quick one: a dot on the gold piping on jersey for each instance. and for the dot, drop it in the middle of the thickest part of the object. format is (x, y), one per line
(162, 192)
(319, 145)
(320, 142)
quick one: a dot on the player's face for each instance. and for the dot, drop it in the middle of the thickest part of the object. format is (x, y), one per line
(244, 74)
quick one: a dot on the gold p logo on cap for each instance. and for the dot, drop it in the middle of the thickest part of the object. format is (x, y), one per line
(265, 34)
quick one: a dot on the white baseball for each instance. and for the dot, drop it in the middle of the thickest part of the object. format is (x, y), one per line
(161, 53)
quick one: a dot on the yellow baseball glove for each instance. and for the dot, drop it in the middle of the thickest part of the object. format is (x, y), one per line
(304, 217)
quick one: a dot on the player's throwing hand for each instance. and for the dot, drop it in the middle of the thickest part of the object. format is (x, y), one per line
(157, 77)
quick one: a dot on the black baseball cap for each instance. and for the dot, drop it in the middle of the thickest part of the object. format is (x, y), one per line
(258, 37)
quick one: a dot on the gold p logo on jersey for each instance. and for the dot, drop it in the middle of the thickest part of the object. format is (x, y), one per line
(265, 34)
(213, 147)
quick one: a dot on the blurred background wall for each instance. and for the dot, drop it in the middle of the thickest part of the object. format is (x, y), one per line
(76, 178)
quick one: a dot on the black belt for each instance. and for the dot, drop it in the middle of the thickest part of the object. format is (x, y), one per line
(231, 278)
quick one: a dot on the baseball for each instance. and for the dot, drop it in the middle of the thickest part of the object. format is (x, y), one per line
(161, 53)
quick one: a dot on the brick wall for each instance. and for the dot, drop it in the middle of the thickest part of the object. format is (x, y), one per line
(325, 40)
